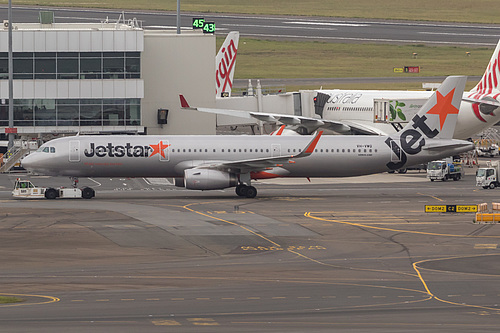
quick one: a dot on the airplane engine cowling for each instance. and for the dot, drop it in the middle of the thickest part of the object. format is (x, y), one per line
(179, 182)
(207, 179)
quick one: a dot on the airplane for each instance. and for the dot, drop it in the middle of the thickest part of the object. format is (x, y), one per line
(225, 62)
(352, 111)
(213, 162)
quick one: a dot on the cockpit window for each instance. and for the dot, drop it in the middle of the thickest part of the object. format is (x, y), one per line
(46, 150)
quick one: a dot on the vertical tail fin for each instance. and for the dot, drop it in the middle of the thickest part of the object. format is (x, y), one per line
(491, 78)
(438, 116)
(225, 64)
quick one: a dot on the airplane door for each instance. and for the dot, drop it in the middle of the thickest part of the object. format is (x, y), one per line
(275, 150)
(164, 156)
(395, 152)
(74, 151)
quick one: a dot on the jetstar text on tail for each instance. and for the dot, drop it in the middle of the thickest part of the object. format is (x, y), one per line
(127, 150)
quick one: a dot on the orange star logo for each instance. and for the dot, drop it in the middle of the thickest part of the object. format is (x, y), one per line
(443, 107)
(159, 149)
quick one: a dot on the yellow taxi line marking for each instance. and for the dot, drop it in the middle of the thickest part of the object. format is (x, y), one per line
(226, 298)
(202, 299)
(165, 323)
(379, 296)
(279, 298)
(152, 299)
(102, 300)
(77, 300)
(128, 299)
(177, 299)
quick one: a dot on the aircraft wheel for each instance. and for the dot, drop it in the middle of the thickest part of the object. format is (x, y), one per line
(251, 192)
(492, 186)
(241, 190)
(50, 193)
(432, 180)
(485, 187)
(88, 193)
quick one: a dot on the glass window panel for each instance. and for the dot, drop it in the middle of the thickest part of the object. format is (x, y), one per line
(67, 55)
(23, 65)
(23, 55)
(45, 55)
(113, 68)
(133, 54)
(4, 115)
(113, 54)
(132, 113)
(4, 69)
(23, 115)
(45, 112)
(45, 66)
(90, 65)
(113, 115)
(67, 65)
(91, 115)
(91, 55)
(133, 65)
(67, 114)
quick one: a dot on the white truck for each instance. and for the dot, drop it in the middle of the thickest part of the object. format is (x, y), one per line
(26, 189)
(488, 177)
(444, 170)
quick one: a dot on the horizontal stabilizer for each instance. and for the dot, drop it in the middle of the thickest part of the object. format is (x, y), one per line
(491, 102)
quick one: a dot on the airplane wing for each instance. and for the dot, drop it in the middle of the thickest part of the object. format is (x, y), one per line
(446, 146)
(312, 124)
(257, 164)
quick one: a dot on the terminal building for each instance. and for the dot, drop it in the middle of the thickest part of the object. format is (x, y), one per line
(108, 77)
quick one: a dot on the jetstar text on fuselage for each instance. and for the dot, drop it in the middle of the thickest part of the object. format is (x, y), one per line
(126, 150)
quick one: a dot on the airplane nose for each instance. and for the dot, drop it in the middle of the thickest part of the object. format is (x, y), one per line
(27, 162)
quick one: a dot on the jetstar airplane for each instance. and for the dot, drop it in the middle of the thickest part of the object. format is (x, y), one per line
(225, 62)
(218, 162)
(352, 111)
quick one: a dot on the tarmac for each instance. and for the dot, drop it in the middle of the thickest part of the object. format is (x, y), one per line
(354, 254)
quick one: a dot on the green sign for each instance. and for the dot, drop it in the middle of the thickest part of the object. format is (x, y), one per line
(198, 22)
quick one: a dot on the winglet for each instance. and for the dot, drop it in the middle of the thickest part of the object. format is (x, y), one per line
(310, 147)
(184, 103)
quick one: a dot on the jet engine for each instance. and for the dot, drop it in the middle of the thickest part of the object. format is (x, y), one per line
(207, 179)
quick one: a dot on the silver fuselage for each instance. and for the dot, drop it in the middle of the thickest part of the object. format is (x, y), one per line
(169, 156)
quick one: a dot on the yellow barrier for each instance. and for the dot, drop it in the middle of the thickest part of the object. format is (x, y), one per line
(487, 217)
(496, 205)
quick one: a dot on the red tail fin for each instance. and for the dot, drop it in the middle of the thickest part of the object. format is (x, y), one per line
(184, 103)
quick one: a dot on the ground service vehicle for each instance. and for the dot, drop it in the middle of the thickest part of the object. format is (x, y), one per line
(444, 170)
(488, 177)
(26, 189)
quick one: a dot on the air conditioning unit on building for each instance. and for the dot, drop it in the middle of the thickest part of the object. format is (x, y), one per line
(5, 24)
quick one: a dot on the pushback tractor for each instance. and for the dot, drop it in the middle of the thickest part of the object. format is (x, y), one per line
(26, 189)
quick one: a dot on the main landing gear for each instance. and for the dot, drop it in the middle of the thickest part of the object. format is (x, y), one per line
(246, 191)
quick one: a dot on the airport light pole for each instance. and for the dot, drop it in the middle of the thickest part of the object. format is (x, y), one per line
(178, 17)
(11, 76)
